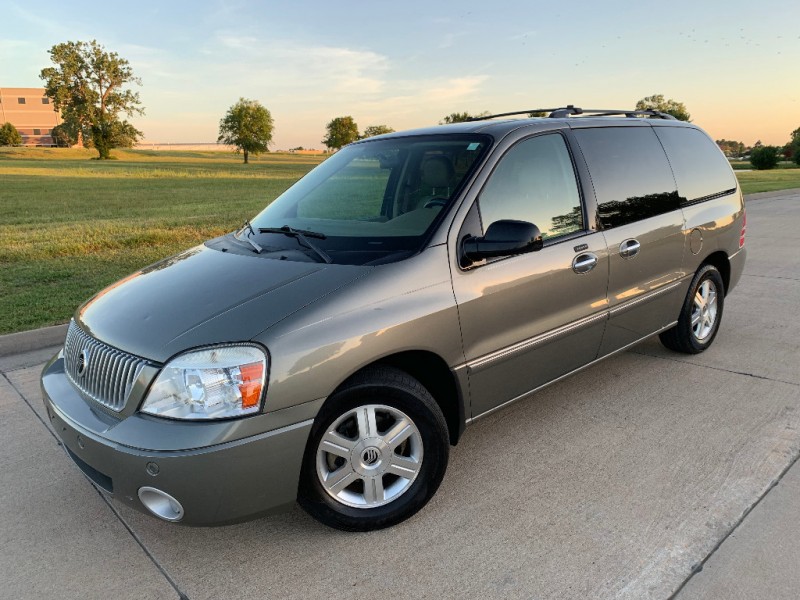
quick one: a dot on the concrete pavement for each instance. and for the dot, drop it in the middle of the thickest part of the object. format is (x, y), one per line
(649, 475)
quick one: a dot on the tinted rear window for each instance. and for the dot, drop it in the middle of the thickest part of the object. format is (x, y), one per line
(700, 168)
(630, 173)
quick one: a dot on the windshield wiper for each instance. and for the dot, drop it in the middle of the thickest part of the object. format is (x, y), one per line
(247, 226)
(291, 231)
(301, 235)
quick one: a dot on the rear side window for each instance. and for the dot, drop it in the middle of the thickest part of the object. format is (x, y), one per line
(630, 173)
(702, 172)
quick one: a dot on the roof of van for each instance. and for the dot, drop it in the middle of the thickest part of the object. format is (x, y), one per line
(501, 127)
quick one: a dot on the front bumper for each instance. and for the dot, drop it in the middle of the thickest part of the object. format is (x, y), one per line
(216, 484)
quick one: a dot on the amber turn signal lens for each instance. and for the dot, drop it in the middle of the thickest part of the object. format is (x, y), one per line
(252, 383)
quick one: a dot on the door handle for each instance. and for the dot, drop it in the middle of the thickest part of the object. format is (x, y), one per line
(583, 263)
(629, 248)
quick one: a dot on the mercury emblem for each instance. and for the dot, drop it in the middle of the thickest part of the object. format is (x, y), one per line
(83, 363)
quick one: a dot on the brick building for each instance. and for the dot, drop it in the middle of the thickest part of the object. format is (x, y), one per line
(31, 112)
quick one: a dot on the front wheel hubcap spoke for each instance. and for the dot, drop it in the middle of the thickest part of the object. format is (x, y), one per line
(399, 433)
(373, 490)
(340, 479)
(403, 466)
(337, 445)
(367, 426)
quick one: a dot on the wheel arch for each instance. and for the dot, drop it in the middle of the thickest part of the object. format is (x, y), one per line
(433, 373)
(722, 263)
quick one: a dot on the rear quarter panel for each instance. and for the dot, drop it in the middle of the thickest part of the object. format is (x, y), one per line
(719, 221)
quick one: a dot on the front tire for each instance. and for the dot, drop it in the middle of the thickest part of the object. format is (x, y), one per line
(376, 454)
(700, 315)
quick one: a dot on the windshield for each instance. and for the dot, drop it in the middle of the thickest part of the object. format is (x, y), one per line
(376, 201)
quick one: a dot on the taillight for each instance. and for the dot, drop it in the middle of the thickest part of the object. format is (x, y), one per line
(744, 228)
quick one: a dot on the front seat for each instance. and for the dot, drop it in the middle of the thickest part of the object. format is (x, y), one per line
(435, 180)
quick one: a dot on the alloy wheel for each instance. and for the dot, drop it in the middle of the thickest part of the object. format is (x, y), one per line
(704, 310)
(369, 456)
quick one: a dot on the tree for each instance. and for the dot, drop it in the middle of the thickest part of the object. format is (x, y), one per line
(671, 107)
(794, 145)
(536, 114)
(341, 131)
(461, 117)
(109, 134)
(248, 126)
(9, 136)
(373, 130)
(731, 148)
(764, 157)
(86, 85)
(63, 136)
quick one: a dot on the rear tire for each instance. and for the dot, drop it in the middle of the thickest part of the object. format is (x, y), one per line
(700, 315)
(376, 454)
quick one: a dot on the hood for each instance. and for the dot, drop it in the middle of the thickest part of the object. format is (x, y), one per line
(205, 296)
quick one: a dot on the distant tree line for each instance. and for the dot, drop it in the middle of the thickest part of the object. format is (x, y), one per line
(88, 85)
(764, 157)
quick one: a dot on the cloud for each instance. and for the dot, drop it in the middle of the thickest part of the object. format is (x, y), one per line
(348, 70)
(304, 85)
(449, 39)
(236, 42)
(36, 19)
(300, 68)
(453, 89)
(14, 45)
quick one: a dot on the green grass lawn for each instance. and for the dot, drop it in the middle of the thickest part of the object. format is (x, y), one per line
(769, 181)
(745, 164)
(70, 226)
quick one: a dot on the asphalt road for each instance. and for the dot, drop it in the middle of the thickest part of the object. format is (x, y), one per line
(649, 475)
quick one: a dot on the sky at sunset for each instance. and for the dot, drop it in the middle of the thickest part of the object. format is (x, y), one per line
(734, 64)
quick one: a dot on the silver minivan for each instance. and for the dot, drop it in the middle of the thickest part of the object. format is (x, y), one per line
(334, 348)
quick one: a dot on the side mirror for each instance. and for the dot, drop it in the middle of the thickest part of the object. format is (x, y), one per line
(503, 238)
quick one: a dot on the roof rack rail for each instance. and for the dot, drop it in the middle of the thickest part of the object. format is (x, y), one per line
(570, 110)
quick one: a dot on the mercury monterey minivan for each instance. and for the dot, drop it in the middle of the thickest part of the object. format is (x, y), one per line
(334, 348)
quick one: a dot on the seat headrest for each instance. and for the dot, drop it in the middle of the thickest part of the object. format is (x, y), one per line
(437, 172)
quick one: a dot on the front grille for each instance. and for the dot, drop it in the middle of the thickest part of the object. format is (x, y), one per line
(101, 373)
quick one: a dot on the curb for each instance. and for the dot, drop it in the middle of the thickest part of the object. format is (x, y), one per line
(775, 194)
(34, 339)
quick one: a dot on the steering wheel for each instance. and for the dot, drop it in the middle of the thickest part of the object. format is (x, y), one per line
(435, 202)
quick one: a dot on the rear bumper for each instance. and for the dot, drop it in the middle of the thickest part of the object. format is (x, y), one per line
(217, 484)
(737, 261)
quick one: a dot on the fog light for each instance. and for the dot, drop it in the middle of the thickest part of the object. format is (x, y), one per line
(161, 504)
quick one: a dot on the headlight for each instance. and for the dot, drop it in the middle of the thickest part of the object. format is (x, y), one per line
(212, 383)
